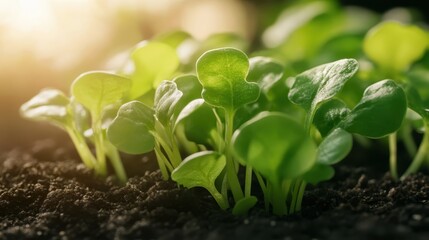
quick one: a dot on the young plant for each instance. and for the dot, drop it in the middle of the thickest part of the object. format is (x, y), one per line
(286, 154)
(393, 59)
(139, 129)
(97, 92)
(222, 73)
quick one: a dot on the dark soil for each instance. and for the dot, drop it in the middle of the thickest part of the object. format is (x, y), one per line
(45, 193)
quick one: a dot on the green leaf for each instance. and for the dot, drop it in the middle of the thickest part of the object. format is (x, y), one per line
(276, 146)
(49, 105)
(191, 89)
(335, 147)
(173, 39)
(243, 206)
(199, 121)
(319, 173)
(130, 131)
(222, 72)
(264, 71)
(199, 170)
(166, 97)
(416, 103)
(154, 62)
(321, 83)
(394, 46)
(380, 111)
(329, 115)
(96, 90)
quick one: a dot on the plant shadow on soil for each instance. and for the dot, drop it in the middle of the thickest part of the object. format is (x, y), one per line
(46, 193)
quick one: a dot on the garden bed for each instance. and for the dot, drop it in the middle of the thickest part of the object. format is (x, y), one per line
(47, 193)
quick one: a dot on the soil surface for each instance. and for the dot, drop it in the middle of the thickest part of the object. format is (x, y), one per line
(46, 193)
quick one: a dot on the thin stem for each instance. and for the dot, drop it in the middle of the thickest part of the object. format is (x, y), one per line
(231, 172)
(248, 182)
(421, 155)
(161, 163)
(300, 196)
(99, 145)
(263, 188)
(393, 156)
(221, 201)
(408, 140)
(295, 190)
(82, 148)
(115, 159)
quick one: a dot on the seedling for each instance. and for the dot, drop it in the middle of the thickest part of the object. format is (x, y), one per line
(393, 59)
(97, 92)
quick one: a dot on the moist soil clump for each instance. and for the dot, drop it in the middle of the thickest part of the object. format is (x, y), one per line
(46, 193)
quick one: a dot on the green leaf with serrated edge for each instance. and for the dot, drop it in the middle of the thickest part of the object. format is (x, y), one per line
(96, 90)
(416, 103)
(329, 114)
(321, 83)
(223, 72)
(199, 121)
(265, 72)
(395, 46)
(154, 62)
(334, 147)
(275, 145)
(199, 170)
(166, 97)
(49, 105)
(243, 206)
(191, 89)
(130, 130)
(380, 111)
(318, 173)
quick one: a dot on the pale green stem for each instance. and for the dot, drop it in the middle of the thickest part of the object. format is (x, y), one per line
(393, 156)
(278, 200)
(422, 154)
(231, 172)
(300, 196)
(82, 149)
(99, 145)
(263, 188)
(295, 190)
(408, 140)
(115, 159)
(248, 182)
(221, 201)
(161, 162)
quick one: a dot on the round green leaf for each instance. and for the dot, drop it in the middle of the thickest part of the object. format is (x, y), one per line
(130, 130)
(275, 145)
(318, 173)
(321, 83)
(335, 147)
(96, 90)
(199, 121)
(394, 46)
(49, 105)
(222, 72)
(265, 72)
(154, 62)
(380, 111)
(329, 115)
(191, 89)
(199, 170)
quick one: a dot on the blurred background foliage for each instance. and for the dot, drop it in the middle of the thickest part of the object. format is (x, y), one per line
(47, 43)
